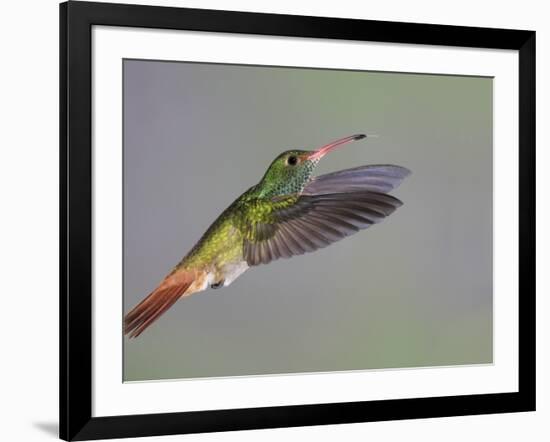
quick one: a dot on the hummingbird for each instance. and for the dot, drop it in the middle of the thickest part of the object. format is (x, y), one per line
(289, 212)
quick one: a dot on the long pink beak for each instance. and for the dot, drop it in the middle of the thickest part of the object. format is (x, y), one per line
(323, 150)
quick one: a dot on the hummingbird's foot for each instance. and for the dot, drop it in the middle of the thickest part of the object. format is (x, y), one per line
(218, 284)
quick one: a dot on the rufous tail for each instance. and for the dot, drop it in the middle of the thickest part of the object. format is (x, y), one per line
(161, 299)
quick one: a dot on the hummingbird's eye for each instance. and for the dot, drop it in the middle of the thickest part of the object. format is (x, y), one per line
(292, 160)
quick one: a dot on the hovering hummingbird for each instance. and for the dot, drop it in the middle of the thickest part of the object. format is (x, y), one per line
(287, 213)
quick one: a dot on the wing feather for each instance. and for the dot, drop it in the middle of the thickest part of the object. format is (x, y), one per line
(376, 178)
(314, 222)
(330, 208)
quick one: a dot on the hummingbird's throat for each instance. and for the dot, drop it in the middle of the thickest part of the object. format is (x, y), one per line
(294, 182)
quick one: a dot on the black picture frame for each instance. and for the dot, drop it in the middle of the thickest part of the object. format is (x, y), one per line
(76, 21)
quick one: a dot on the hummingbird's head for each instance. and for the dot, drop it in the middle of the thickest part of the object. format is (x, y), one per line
(292, 170)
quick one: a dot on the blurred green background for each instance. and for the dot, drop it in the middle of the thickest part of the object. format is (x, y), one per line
(414, 291)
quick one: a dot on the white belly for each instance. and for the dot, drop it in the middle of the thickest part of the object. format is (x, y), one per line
(227, 273)
(233, 271)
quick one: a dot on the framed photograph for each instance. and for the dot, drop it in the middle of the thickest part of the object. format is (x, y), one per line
(351, 204)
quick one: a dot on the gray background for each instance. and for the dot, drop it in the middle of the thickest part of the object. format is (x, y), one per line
(413, 291)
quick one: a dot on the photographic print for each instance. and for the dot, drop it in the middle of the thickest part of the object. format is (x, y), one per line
(273, 221)
(283, 220)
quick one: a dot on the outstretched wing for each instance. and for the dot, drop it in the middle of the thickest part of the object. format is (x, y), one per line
(378, 178)
(294, 225)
